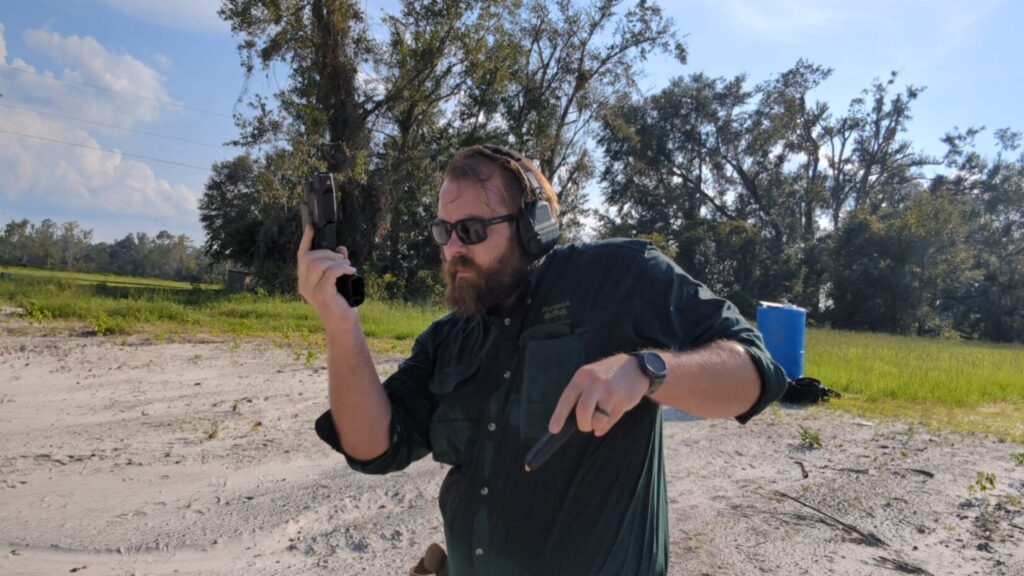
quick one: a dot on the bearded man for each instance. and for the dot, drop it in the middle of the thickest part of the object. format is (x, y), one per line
(598, 336)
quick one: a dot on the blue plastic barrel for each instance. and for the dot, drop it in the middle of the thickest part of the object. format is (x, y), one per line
(783, 327)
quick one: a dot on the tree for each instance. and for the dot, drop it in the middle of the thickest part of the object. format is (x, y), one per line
(870, 165)
(904, 272)
(704, 151)
(14, 242)
(230, 211)
(68, 246)
(749, 176)
(345, 89)
(74, 243)
(126, 254)
(385, 115)
(565, 64)
(991, 305)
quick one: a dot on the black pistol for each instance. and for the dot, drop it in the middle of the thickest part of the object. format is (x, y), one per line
(547, 445)
(322, 206)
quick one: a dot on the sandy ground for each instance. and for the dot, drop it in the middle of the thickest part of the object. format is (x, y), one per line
(138, 457)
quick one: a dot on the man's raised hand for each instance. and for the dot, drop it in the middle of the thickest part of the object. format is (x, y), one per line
(317, 272)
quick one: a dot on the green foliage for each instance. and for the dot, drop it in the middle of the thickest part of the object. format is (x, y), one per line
(108, 326)
(69, 247)
(661, 242)
(231, 211)
(116, 305)
(809, 438)
(35, 312)
(1018, 458)
(769, 195)
(894, 273)
(533, 75)
(883, 368)
(984, 482)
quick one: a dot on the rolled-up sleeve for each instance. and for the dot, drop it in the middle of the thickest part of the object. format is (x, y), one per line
(679, 313)
(411, 407)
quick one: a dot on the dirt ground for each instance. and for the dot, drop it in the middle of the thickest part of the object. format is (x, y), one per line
(142, 457)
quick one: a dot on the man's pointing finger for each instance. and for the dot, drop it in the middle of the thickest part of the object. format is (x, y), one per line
(307, 240)
(566, 404)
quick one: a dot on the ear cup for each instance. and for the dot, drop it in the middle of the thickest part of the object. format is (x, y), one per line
(537, 227)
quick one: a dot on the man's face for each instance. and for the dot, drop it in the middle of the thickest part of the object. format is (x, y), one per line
(480, 276)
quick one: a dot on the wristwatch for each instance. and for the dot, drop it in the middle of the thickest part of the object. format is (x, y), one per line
(653, 366)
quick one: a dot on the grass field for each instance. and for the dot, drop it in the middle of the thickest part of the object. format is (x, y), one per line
(113, 305)
(969, 386)
(89, 278)
(947, 384)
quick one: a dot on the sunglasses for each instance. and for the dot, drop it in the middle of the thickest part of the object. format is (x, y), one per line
(469, 230)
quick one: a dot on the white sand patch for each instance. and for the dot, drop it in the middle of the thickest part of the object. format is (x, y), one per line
(107, 462)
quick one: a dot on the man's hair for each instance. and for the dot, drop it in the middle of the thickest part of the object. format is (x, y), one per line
(478, 164)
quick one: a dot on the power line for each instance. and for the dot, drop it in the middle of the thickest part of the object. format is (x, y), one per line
(95, 87)
(74, 119)
(101, 149)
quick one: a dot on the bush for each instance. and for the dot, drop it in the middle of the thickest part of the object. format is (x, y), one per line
(106, 325)
(35, 312)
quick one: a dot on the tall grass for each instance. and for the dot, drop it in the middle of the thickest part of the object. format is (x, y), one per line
(115, 305)
(91, 278)
(972, 386)
(882, 367)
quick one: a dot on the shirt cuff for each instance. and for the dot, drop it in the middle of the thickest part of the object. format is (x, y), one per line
(773, 382)
(378, 465)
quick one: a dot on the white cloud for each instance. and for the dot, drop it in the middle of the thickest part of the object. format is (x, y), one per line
(200, 15)
(86, 61)
(3, 45)
(162, 61)
(70, 176)
(78, 176)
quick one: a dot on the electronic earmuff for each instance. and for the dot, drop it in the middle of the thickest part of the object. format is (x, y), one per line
(537, 226)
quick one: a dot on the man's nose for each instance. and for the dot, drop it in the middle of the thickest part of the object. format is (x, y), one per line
(454, 247)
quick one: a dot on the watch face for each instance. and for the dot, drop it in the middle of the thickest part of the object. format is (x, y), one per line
(655, 363)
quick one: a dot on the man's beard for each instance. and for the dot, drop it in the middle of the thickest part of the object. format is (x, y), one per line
(483, 289)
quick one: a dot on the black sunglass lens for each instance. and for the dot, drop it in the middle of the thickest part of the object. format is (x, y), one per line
(471, 231)
(441, 232)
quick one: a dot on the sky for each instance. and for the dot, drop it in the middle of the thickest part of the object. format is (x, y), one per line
(112, 111)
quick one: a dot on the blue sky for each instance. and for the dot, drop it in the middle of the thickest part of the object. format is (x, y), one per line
(180, 64)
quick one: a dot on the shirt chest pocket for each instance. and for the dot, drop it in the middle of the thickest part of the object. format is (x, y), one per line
(455, 422)
(551, 355)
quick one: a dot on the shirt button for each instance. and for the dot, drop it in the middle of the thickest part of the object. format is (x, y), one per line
(492, 426)
(483, 491)
(529, 300)
(508, 373)
(508, 321)
(479, 552)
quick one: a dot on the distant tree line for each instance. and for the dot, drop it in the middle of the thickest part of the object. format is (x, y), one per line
(758, 190)
(68, 246)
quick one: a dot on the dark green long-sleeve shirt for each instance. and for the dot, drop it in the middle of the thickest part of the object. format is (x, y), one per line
(477, 393)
